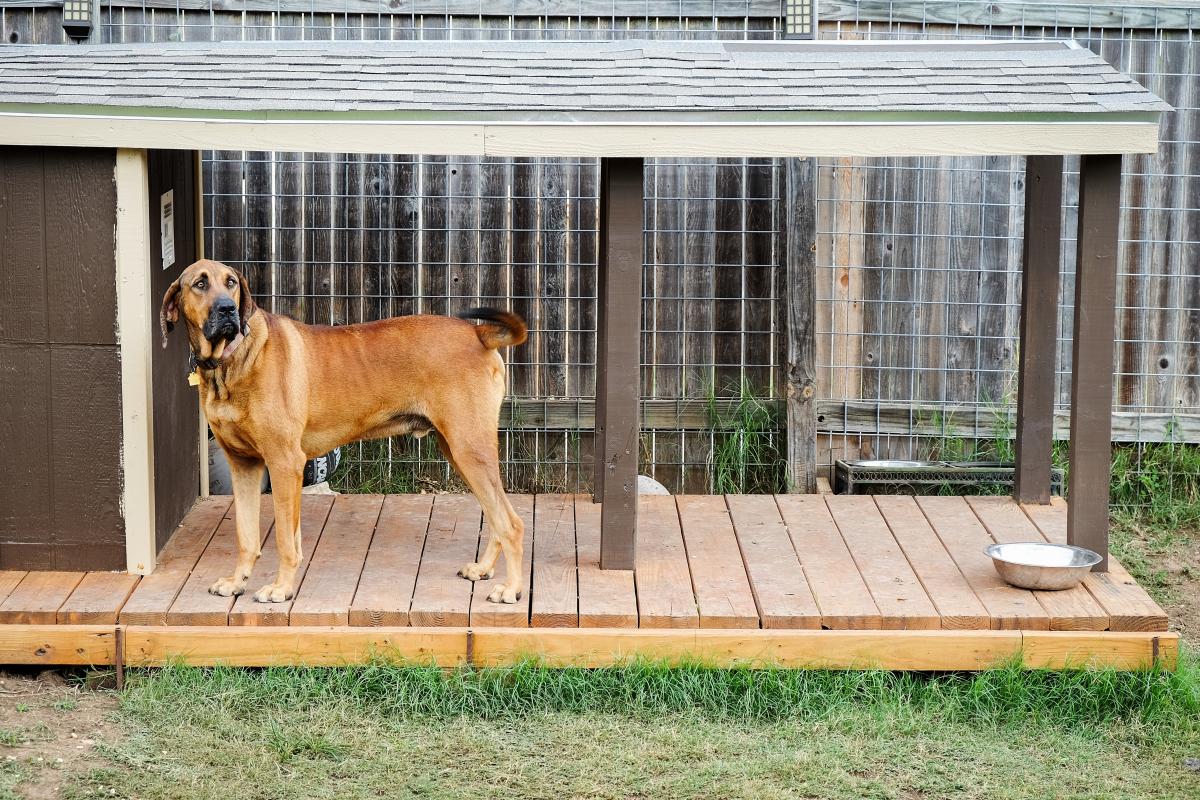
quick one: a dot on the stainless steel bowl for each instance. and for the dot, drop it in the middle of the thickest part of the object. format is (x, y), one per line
(1037, 565)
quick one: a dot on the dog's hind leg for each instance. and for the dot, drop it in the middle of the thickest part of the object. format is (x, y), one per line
(476, 459)
(247, 490)
(287, 477)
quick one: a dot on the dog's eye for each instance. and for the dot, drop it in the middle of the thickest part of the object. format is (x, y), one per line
(201, 284)
(231, 283)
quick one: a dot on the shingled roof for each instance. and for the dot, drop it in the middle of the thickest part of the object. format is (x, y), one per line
(632, 82)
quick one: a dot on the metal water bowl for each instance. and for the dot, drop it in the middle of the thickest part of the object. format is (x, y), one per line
(1038, 565)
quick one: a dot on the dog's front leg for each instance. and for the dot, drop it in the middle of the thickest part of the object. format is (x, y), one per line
(287, 476)
(247, 491)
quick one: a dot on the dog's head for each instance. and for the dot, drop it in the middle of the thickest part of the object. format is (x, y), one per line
(215, 304)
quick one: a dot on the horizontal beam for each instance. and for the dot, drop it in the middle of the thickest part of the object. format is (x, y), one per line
(147, 646)
(850, 416)
(652, 139)
(673, 9)
(1060, 14)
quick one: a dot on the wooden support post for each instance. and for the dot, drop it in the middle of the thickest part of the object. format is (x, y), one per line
(618, 372)
(1092, 353)
(801, 387)
(135, 324)
(1040, 260)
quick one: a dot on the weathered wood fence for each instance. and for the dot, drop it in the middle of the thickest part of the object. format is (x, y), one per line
(917, 260)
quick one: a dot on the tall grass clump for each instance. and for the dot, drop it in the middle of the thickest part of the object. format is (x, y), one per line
(1008, 694)
(746, 458)
(1157, 483)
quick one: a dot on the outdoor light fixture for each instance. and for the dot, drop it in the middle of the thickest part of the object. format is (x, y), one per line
(77, 18)
(800, 19)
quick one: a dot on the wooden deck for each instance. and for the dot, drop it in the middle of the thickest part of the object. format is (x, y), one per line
(779, 563)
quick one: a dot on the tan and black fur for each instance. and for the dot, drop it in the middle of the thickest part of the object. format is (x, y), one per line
(277, 392)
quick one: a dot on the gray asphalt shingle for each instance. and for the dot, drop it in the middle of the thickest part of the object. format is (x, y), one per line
(549, 78)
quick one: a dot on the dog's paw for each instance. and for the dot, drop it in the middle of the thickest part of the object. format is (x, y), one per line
(475, 572)
(504, 594)
(272, 593)
(227, 587)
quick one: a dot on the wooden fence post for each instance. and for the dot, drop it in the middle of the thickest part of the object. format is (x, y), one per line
(801, 381)
(618, 377)
(1040, 260)
(1092, 353)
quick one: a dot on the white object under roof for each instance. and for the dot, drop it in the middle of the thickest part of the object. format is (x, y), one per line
(615, 98)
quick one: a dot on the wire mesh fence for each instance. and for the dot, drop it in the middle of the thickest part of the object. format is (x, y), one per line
(918, 259)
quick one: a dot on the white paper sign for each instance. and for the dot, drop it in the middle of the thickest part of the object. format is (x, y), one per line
(166, 221)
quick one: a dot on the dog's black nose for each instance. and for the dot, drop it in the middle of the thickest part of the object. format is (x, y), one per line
(224, 306)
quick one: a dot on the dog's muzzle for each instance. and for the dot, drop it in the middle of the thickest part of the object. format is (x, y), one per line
(223, 321)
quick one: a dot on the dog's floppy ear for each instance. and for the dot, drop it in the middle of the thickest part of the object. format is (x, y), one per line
(168, 315)
(246, 304)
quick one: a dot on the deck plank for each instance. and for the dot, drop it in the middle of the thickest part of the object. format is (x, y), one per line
(485, 613)
(722, 589)
(555, 589)
(9, 579)
(1070, 609)
(37, 598)
(314, 510)
(325, 595)
(965, 538)
(950, 592)
(902, 601)
(664, 584)
(839, 589)
(156, 592)
(607, 598)
(385, 588)
(781, 592)
(98, 598)
(1127, 604)
(441, 597)
(194, 605)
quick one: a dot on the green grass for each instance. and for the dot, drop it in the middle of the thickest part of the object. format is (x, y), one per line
(648, 731)
(745, 456)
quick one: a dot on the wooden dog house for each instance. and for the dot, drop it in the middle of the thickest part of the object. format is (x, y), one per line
(100, 139)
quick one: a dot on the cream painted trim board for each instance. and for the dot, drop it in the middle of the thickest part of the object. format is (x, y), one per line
(134, 325)
(777, 139)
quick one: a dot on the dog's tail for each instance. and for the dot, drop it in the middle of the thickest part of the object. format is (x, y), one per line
(500, 328)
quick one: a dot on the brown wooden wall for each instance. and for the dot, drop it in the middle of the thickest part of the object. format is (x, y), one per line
(60, 379)
(176, 412)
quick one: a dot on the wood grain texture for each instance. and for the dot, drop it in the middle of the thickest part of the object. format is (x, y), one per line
(607, 598)
(53, 645)
(964, 537)
(555, 588)
(314, 510)
(1070, 609)
(899, 595)
(1080, 650)
(302, 645)
(156, 592)
(800, 281)
(782, 594)
(1127, 604)
(385, 588)
(325, 595)
(488, 614)
(723, 595)
(194, 605)
(442, 598)
(957, 605)
(37, 598)
(98, 598)
(841, 594)
(664, 583)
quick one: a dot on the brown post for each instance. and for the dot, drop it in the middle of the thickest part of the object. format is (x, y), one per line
(1092, 353)
(618, 371)
(801, 383)
(601, 337)
(1039, 326)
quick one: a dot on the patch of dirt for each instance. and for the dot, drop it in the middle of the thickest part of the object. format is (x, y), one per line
(49, 731)
(1171, 573)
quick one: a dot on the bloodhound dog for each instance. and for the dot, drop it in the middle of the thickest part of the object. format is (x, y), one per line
(277, 392)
